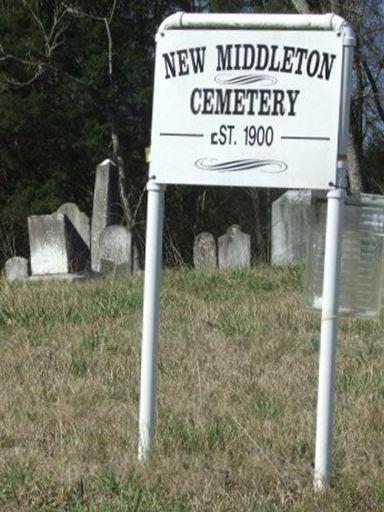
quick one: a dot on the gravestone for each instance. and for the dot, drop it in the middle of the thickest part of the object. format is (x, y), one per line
(204, 251)
(290, 227)
(116, 251)
(16, 269)
(79, 219)
(234, 249)
(55, 245)
(106, 206)
(361, 289)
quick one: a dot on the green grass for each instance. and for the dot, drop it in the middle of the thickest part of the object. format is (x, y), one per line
(237, 387)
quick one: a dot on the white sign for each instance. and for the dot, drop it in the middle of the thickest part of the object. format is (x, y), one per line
(246, 108)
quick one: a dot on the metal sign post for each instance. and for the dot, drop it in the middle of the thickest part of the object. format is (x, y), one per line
(255, 101)
(151, 309)
(331, 280)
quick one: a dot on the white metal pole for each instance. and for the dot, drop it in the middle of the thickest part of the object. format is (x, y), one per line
(151, 308)
(328, 337)
(332, 262)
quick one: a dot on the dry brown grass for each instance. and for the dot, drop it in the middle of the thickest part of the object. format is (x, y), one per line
(236, 398)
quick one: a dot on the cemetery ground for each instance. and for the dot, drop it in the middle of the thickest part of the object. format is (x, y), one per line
(237, 391)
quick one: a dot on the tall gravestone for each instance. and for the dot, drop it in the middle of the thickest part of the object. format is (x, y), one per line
(234, 249)
(16, 269)
(106, 206)
(55, 245)
(116, 251)
(291, 214)
(204, 251)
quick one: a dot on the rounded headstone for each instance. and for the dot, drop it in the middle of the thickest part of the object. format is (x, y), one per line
(204, 251)
(291, 220)
(234, 248)
(116, 251)
(16, 269)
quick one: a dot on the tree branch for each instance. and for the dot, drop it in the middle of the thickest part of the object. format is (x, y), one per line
(376, 92)
(109, 36)
(112, 11)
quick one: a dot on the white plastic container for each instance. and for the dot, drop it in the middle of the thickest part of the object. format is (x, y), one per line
(361, 259)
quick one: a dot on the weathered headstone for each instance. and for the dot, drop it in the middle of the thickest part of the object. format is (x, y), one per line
(16, 269)
(79, 219)
(106, 206)
(290, 227)
(204, 251)
(234, 249)
(55, 245)
(116, 251)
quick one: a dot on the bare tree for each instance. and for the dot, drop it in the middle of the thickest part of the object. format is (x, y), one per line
(24, 69)
(77, 11)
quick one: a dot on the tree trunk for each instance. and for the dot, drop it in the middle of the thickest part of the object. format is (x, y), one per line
(127, 210)
(354, 159)
(355, 140)
(258, 231)
(200, 6)
(355, 145)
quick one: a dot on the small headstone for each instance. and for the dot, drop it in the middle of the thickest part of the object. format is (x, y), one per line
(106, 206)
(234, 249)
(55, 245)
(290, 227)
(79, 219)
(116, 251)
(204, 251)
(16, 269)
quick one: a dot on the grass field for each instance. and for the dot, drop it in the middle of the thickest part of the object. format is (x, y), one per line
(236, 398)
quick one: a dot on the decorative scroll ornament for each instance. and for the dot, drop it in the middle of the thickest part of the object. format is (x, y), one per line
(265, 166)
(228, 79)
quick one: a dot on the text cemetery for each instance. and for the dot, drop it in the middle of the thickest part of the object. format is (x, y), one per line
(260, 57)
